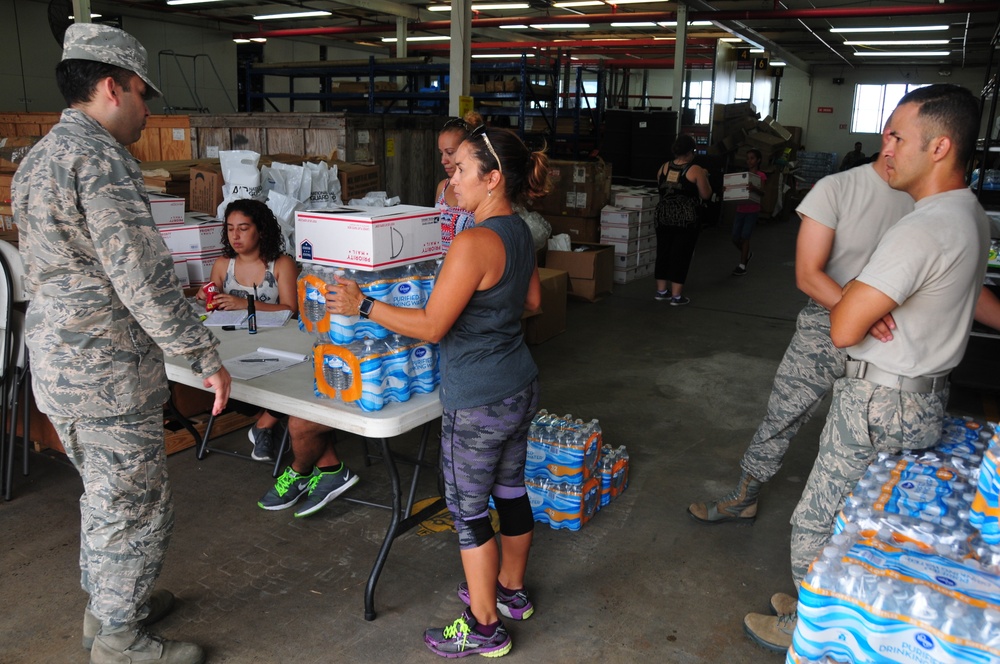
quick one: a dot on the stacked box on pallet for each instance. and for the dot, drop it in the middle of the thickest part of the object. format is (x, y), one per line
(628, 225)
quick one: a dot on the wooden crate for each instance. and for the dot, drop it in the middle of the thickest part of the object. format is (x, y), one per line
(165, 137)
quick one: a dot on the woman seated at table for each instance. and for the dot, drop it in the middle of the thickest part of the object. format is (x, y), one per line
(253, 262)
(489, 382)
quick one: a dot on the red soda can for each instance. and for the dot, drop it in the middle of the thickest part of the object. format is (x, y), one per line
(210, 291)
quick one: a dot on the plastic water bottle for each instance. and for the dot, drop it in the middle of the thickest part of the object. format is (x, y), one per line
(989, 631)
(923, 604)
(605, 470)
(370, 361)
(341, 327)
(424, 363)
(956, 621)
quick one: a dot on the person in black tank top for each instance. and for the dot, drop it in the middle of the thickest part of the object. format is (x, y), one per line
(489, 382)
(683, 185)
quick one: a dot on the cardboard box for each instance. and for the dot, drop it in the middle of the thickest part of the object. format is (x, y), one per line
(622, 248)
(206, 188)
(616, 216)
(626, 275)
(6, 218)
(590, 270)
(202, 236)
(356, 180)
(580, 188)
(647, 243)
(199, 267)
(740, 194)
(614, 233)
(366, 238)
(551, 320)
(181, 268)
(636, 200)
(741, 179)
(167, 210)
(579, 229)
(780, 131)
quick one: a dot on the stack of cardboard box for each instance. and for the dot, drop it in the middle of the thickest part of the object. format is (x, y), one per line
(742, 186)
(628, 226)
(580, 190)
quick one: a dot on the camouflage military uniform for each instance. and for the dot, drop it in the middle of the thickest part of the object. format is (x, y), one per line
(864, 419)
(807, 372)
(104, 301)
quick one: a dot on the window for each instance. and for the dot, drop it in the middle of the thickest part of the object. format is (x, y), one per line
(874, 103)
(743, 90)
(698, 95)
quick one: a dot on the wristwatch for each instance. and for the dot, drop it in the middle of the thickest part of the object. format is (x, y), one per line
(365, 310)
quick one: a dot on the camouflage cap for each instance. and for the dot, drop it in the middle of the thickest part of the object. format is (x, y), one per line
(103, 43)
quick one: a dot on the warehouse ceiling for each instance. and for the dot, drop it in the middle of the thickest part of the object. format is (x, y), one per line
(947, 33)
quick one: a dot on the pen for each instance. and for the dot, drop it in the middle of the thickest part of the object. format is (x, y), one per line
(261, 359)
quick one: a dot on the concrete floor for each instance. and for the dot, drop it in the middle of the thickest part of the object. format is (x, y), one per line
(682, 388)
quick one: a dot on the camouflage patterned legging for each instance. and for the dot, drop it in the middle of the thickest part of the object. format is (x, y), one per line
(126, 510)
(482, 453)
(864, 419)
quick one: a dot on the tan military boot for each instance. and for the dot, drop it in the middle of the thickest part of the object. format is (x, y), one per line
(159, 604)
(771, 632)
(740, 504)
(137, 646)
(783, 604)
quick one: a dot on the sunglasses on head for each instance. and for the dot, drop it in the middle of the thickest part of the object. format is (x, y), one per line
(481, 131)
(456, 123)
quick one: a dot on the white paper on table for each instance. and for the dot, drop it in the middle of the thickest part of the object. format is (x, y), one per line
(261, 362)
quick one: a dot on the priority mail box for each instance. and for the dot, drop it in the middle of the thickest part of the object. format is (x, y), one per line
(740, 194)
(367, 238)
(630, 247)
(741, 179)
(167, 210)
(612, 233)
(201, 234)
(636, 200)
(181, 268)
(199, 267)
(618, 216)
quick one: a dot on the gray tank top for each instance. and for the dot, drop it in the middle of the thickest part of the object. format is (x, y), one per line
(483, 356)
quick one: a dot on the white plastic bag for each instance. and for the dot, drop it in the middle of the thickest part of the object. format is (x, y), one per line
(241, 177)
(560, 242)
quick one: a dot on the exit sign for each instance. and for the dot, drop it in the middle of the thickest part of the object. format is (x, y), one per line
(825, 109)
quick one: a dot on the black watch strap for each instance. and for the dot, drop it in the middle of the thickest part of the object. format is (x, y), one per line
(365, 310)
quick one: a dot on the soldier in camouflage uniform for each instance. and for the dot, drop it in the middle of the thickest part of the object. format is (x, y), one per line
(104, 301)
(843, 218)
(926, 273)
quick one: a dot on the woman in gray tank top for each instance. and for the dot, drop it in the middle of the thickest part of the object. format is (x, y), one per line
(489, 383)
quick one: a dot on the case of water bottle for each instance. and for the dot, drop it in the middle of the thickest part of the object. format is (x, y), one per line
(357, 360)
(908, 577)
(569, 473)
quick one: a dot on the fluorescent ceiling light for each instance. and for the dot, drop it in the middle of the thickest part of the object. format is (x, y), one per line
(578, 3)
(485, 8)
(308, 14)
(778, 63)
(514, 27)
(902, 28)
(898, 42)
(732, 40)
(903, 54)
(392, 40)
(73, 18)
(756, 50)
(634, 24)
(673, 24)
(259, 40)
(560, 26)
(503, 55)
(190, 2)
(239, 40)
(632, 2)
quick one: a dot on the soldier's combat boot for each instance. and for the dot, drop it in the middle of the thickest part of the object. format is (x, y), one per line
(740, 504)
